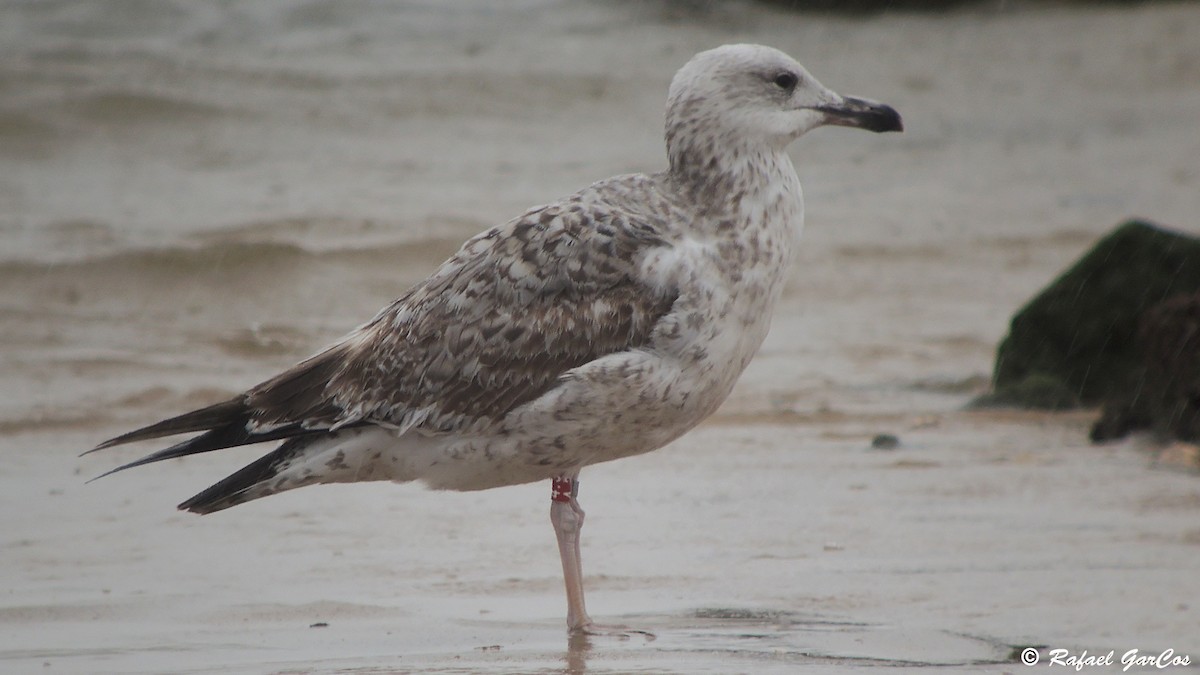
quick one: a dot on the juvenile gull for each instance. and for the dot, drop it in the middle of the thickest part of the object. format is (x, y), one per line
(603, 325)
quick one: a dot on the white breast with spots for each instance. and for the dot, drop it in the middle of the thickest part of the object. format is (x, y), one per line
(728, 280)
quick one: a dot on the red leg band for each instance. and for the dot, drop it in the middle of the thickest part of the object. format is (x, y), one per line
(562, 489)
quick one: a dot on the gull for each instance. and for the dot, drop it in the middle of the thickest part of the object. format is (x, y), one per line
(600, 326)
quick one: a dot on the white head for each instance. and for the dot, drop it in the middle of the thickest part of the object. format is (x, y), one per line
(751, 95)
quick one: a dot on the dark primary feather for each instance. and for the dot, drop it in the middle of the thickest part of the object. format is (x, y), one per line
(230, 435)
(493, 328)
(231, 491)
(227, 424)
(197, 420)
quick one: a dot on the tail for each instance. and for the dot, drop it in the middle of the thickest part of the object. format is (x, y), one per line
(252, 481)
(225, 425)
(293, 407)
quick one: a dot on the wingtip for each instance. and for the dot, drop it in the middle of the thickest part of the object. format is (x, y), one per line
(106, 444)
(137, 462)
(106, 473)
(205, 419)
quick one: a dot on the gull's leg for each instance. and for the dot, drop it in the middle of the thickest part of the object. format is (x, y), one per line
(567, 518)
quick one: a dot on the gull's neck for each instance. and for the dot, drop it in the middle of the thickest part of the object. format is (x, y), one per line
(737, 181)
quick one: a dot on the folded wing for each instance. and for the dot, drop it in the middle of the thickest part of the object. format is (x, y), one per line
(494, 327)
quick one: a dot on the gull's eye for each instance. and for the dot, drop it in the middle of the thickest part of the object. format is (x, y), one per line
(786, 81)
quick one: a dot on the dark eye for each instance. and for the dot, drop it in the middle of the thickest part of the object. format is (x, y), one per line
(785, 81)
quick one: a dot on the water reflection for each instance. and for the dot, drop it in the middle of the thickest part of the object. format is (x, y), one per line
(578, 646)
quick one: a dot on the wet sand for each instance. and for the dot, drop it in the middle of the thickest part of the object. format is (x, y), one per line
(194, 199)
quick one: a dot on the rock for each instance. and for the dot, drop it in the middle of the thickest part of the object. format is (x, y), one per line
(1167, 396)
(1037, 390)
(1076, 342)
(885, 442)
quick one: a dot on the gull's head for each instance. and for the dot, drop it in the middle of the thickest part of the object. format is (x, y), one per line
(751, 94)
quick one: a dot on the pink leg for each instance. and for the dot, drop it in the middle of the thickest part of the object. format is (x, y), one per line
(567, 518)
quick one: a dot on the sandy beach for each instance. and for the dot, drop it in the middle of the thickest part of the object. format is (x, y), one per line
(195, 195)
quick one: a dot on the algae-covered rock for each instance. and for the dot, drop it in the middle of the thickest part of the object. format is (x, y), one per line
(1036, 390)
(1079, 335)
(1167, 399)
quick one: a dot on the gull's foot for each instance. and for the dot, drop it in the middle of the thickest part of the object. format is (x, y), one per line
(590, 629)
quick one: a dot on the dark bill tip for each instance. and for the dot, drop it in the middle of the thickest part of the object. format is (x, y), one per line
(863, 114)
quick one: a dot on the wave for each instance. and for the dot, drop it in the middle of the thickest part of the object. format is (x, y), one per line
(208, 273)
(234, 302)
(134, 108)
(89, 246)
